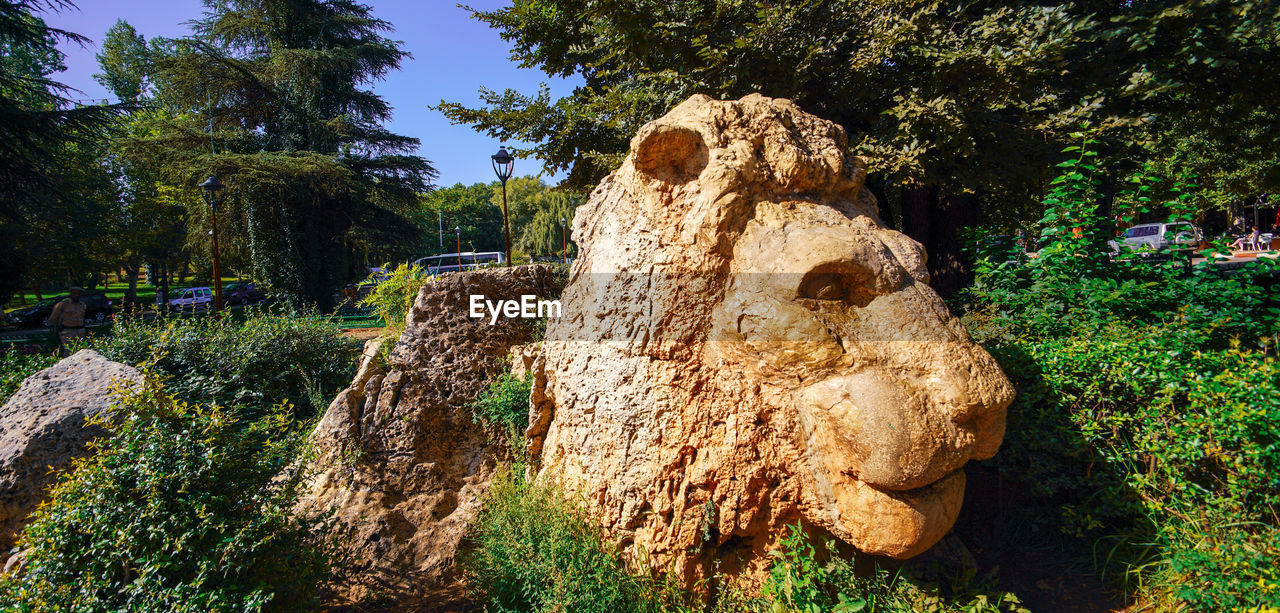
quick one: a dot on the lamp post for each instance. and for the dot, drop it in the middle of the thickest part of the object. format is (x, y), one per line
(564, 243)
(457, 231)
(503, 165)
(211, 188)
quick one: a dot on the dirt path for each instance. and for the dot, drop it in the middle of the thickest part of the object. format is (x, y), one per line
(363, 334)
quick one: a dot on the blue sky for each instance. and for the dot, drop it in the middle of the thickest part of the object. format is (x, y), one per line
(453, 56)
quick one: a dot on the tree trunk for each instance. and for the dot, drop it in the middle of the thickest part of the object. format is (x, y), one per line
(918, 203)
(1106, 205)
(935, 222)
(164, 286)
(131, 277)
(952, 271)
(876, 185)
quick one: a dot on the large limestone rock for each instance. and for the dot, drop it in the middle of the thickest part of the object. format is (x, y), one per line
(400, 463)
(745, 345)
(44, 426)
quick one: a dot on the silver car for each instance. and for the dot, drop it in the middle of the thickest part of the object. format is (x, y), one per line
(191, 299)
(1157, 236)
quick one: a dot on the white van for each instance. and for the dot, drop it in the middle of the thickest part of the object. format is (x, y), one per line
(453, 262)
(192, 298)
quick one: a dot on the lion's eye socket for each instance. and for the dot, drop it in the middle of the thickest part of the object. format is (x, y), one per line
(823, 287)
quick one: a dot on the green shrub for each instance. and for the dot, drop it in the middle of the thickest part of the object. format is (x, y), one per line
(252, 364)
(392, 298)
(803, 579)
(798, 581)
(505, 403)
(1164, 452)
(534, 550)
(1147, 420)
(16, 366)
(176, 511)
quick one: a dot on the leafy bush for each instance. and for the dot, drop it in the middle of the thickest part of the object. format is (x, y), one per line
(17, 365)
(176, 511)
(535, 550)
(1148, 414)
(252, 364)
(798, 581)
(805, 580)
(393, 297)
(505, 403)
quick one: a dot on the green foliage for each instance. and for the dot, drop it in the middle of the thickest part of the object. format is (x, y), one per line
(252, 364)
(125, 61)
(178, 510)
(534, 550)
(468, 208)
(1072, 287)
(392, 298)
(505, 403)
(798, 582)
(958, 105)
(1147, 419)
(41, 133)
(476, 212)
(315, 182)
(927, 83)
(16, 366)
(546, 233)
(803, 579)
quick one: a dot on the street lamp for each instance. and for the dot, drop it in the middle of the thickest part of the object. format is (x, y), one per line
(503, 165)
(457, 231)
(211, 188)
(564, 243)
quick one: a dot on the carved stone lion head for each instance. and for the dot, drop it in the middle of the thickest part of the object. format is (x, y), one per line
(745, 345)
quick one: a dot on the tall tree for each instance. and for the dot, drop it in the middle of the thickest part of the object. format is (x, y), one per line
(313, 178)
(468, 208)
(546, 231)
(961, 105)
(37, 122)
(125, 62)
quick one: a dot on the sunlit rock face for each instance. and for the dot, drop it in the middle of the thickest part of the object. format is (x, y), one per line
(400, 464)
(745, 345)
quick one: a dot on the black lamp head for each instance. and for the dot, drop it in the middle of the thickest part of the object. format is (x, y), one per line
(212, 184)
(212, 189)
(503, 164)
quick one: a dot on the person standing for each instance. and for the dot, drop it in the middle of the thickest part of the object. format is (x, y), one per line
(67, 318)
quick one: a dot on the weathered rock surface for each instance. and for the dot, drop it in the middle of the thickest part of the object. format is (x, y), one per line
(400, 462)
(44, 426)
(522, 358)
(745, 345)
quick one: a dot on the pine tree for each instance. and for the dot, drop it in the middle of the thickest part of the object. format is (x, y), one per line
(38, 121)
(314, 180)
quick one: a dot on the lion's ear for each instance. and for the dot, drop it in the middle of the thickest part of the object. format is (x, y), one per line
(671, 153)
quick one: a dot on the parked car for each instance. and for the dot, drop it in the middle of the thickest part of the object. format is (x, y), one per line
(191, 299)
(1157, 236)
(242, 293)
(97, 308)
(453, 262)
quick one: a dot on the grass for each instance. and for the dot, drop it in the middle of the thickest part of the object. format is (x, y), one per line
(114, 290)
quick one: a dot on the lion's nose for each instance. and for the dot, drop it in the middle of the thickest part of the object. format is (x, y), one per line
(880, 429)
